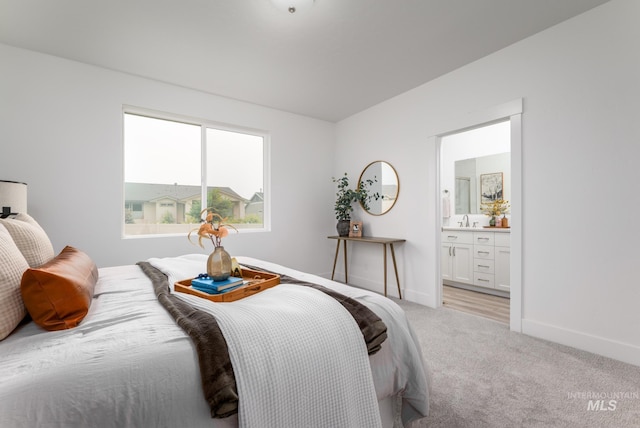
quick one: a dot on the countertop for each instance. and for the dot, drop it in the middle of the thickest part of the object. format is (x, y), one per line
(479, 229)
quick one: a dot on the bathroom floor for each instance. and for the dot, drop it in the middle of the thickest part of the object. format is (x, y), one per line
(481, 304)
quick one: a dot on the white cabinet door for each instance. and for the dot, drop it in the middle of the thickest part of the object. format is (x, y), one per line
(503, 239)
(446, 261)
(463, 263)
(502, 260)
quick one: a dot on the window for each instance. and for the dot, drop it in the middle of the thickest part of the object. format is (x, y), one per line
(166, 160)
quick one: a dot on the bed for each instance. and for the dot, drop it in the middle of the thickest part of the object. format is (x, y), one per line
(127, 362)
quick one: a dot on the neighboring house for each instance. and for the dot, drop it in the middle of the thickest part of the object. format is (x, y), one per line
(255, 205)
(170, 203)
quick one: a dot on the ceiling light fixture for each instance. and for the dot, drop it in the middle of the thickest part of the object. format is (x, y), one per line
(293, 6)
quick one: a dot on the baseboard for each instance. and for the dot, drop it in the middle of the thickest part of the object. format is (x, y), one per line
(624, 352)
(410, 295)
(367, 284)
(415, 296)
(478, 289)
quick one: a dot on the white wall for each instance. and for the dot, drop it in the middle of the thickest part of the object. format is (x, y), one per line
(581, 146)
(61, 125)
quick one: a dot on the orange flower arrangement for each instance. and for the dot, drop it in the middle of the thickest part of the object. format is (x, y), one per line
(214, 228)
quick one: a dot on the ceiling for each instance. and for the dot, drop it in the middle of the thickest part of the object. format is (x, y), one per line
(329, 62)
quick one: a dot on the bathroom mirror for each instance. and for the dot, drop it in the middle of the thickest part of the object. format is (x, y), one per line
(385, 182)
(467, 180)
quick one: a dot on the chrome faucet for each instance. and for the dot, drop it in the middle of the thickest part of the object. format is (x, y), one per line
(466, 216)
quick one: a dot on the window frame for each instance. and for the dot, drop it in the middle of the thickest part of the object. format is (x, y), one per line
(203, 124)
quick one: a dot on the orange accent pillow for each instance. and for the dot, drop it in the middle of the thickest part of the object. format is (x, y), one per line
(58, 294)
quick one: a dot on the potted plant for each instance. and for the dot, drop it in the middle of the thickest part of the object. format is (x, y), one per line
(345, 198)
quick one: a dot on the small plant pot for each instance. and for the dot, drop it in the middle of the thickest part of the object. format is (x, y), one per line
(343, 227)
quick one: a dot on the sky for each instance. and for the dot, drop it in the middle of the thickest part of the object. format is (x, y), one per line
(167, 152)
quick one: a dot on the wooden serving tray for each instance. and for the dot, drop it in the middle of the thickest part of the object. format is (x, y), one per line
(258, 281)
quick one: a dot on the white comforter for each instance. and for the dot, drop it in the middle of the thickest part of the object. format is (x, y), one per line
(129, 364)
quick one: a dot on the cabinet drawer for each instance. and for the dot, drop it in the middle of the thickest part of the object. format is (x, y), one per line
(483, 252)
(503, 240)
(483, 266)
(483, 238)
(483, 280)
(457, 237)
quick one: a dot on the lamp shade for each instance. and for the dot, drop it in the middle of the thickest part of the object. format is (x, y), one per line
(293, 6)
(13, 197)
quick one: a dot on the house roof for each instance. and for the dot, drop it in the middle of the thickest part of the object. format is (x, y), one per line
(257, 197)
(142, 192)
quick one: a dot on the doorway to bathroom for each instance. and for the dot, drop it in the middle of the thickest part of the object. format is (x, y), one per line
(511, 112)
(475, 183)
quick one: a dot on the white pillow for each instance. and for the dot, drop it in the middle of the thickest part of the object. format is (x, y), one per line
(12, 266)
(30, 238)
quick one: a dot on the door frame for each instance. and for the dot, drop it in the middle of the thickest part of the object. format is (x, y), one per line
(511, 111)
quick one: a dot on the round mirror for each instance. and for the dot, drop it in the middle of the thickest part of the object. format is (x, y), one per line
(384, 182)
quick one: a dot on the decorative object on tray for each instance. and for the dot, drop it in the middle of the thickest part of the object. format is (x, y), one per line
(205, 283)
(345, 198)
(355, 229)
(215, 228)
(219, 264)
(236, 270)
(495, 209)
(253, 281)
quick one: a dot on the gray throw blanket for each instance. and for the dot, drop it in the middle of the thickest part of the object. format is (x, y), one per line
(216, 370)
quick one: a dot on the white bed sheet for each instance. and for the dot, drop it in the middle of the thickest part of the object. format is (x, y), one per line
(129, 365)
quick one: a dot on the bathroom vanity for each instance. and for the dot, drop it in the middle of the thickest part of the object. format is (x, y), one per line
(476, 258)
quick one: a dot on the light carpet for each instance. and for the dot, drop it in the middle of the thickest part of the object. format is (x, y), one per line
(484, 375)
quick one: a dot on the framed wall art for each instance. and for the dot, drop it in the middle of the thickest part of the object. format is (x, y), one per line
(355, 230)
(490, 187)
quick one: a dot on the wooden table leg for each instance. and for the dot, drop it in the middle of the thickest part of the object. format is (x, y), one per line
(384, 258)
(335, 259)
(346, 275)
(395, 268)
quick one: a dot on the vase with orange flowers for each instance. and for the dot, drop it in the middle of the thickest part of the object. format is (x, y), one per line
(215, 228)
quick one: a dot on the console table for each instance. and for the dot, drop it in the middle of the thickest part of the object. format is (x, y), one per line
(372, 240)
